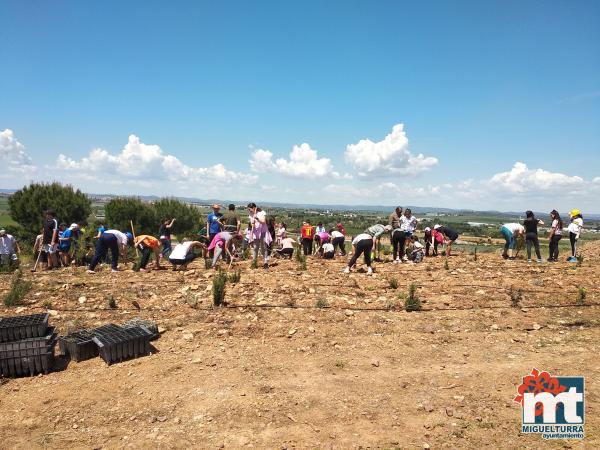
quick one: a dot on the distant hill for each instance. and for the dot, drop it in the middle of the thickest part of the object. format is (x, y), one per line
(330, 207)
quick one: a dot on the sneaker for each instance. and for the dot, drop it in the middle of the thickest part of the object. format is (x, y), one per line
(347, 270)
(404, 258)
(540, 261)
(397, 261)
(141, 269)
(265, 266)
(114, 270)
(529, 261)
(90, 271)
(369, 271)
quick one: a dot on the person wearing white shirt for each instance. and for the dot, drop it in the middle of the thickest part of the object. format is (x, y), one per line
(182, 254)
(9, 249)
(511, 231)
(112, 240)
(328, 250)
(338, 240)
(408, 225)
(574, 229)
(361, 244)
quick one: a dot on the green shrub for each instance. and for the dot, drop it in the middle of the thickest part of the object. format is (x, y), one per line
(121, 211)
(18, 289)
(187, 216)
(394, 283)
(112, 303)
(516, 295)
(235, 276)
(581, 294)
(412, 302)
(321, 303)
(302, 263)
(218, 288)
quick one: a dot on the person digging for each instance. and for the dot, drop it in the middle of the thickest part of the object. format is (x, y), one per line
(147, 246)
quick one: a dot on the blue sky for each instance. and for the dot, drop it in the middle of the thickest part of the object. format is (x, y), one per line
(502, 99)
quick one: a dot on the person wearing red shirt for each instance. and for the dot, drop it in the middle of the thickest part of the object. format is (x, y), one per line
(307, 233)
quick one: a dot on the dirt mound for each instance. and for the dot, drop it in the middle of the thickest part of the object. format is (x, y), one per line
(591, 250)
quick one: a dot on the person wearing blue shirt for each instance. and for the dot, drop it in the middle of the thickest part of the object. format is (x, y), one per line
(213, 223)
(64, 244)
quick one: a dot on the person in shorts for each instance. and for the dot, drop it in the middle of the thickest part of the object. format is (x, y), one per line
(50, 240)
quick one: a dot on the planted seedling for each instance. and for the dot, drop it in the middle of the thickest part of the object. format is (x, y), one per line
(18, 289)
(394, 283)
(321, 303)
(218, 288)
(235, 276)
(516, 295)
(112, 303)
(412, 302)
(581, 294)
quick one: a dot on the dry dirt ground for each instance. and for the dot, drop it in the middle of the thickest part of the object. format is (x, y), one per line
(273, 370)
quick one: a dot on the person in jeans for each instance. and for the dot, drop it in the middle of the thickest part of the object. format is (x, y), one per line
(50, 240)
(574, 229)
(111, 240)
(531, 235)
(260, 235)
(164, 234)
(183, 254)
(361, 244)
(394, 222)
(555, 235)
(213, 224)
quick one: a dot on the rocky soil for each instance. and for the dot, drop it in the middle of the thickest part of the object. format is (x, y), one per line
(313, 359)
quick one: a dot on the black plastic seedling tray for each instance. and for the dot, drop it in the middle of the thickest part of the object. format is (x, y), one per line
(78, 345)
(116, 343)
(23, 327)
(29, 347)
(27, 365)
(152, 327)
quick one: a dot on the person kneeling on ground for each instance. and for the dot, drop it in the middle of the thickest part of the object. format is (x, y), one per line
(113, 240)
(449, 236)
(417, 253)
(148, 245)
(511, 231)
(328, 250)
(361, 244)
(183, 254)
(287, 248)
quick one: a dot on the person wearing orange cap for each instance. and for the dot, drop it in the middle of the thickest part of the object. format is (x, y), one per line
(148, 245)
(574, 229)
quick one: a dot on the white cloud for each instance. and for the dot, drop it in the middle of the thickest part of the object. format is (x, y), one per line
(387, 157)
(144, 163)
(13, 155)
(520, 179)
(303, 162)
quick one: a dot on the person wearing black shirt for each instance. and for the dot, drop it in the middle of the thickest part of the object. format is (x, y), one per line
(449, 236)
(531, 235)
(164, 234)
(50, 239)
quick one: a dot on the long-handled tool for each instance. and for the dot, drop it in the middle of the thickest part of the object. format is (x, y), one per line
(37, 261)
(133, 233)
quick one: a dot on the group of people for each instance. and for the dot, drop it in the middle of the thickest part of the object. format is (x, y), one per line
(529, 230)
(222, 238)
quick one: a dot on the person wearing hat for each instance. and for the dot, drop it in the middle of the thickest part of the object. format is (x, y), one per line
(113, 240)
(213, 224)
(148, 245)
(9, 250)
(574, 230)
